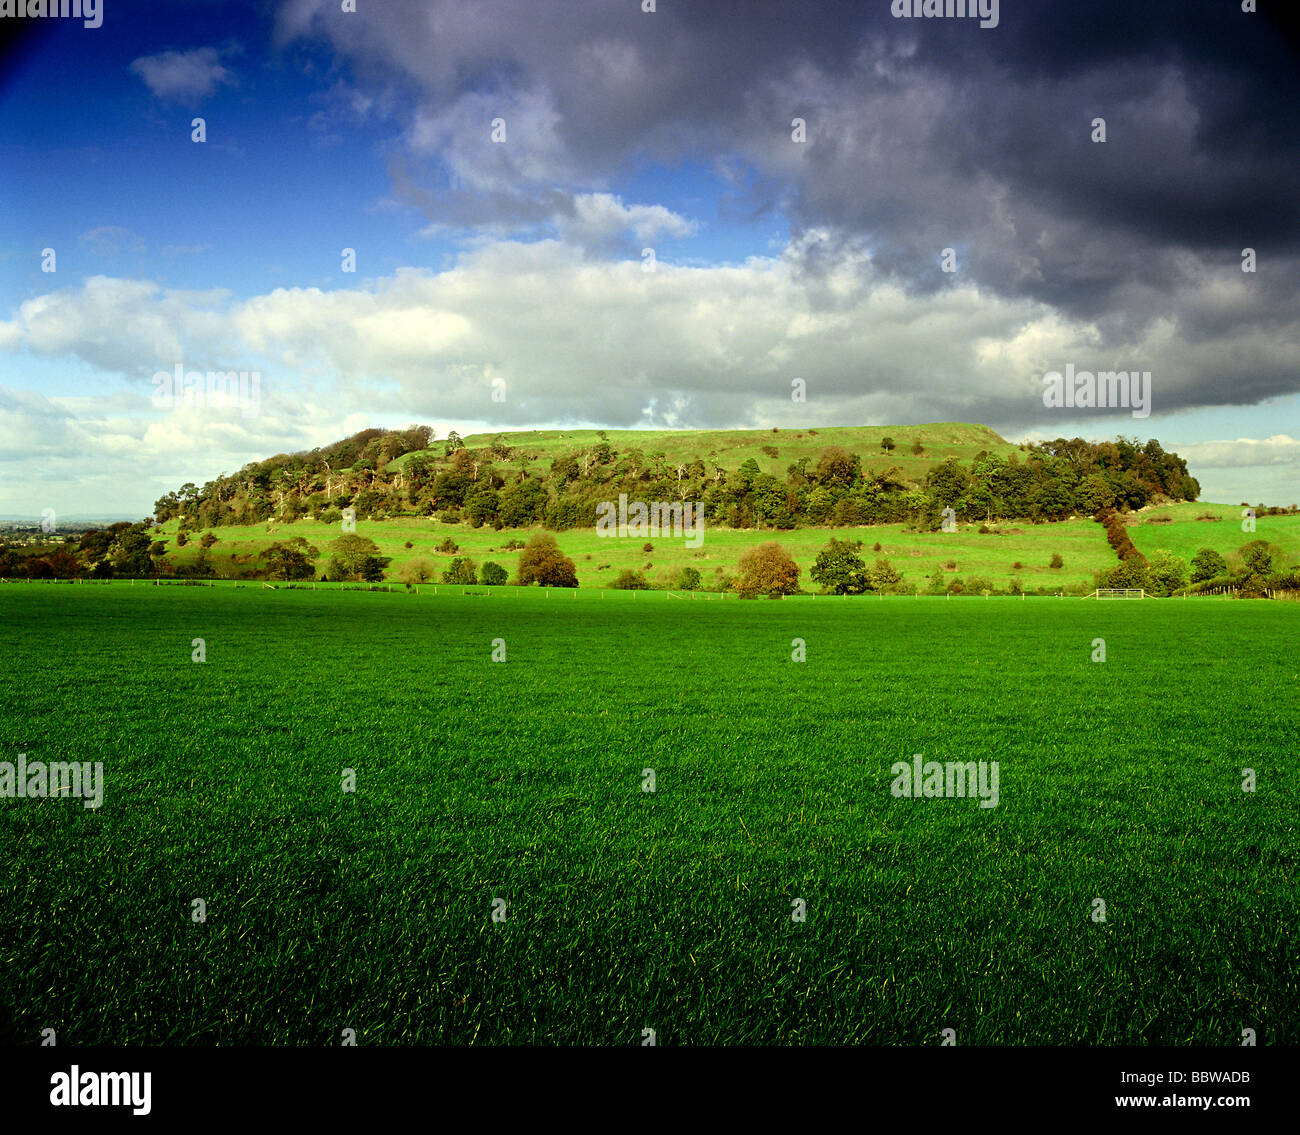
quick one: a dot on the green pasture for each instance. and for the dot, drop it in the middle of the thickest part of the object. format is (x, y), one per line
(624, 910)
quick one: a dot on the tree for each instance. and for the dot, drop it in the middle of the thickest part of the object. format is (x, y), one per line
(884, 576)
(839, 569)
(820, 504)
(1167, 573)
(356, 557)
(201, 567)
(522, 503)
(767, 569)
(1130, 572)
(688, 579)
(1055, 498)
(1258, 560)
(291, 559)
(1095, 493)
(462, 570)
(1208, 564)
(543, 563)
(63, 564)
(493, 575)
(887, 444)
(131, 557)
(946, 482)
(837, 468)
(746, 474)
(481, 506)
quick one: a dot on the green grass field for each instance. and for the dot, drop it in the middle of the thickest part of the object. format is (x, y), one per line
(626, 910)
(993, 555)
(1081, 543)
(1182, 529)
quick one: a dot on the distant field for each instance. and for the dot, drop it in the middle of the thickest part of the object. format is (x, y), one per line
(1186, 534)
(628, 910)
(1081, 544)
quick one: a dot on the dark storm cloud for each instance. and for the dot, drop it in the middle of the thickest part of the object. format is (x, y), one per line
(923, 134)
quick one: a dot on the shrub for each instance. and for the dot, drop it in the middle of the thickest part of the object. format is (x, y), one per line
(449, 546)
(418, 570)
(629, 580)
(955, 585)
(408, 544)
(1057, 562)
(1017, 566)
(951, 565)
(876, 546)
(493, 575)
(688, 579)
(647, 547)
(979, 585)
(330, 516)
(207, 541)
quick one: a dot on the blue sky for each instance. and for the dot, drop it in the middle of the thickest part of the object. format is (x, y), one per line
(519, 258)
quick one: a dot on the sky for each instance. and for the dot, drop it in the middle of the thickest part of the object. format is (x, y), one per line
(531, 214)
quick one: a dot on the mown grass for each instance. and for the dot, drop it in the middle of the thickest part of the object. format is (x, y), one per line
(627, 910)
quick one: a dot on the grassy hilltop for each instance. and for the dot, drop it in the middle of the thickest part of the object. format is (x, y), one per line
(940, 440)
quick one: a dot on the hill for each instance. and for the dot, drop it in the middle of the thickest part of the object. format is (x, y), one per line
(945, 506)
(745, 479)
